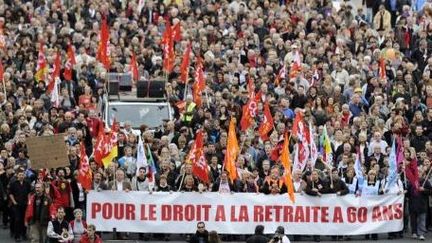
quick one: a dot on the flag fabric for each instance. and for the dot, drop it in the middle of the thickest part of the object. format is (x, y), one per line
(286, 163)
(1, 70)
(176, 32)
(140, 6)
(281, 75)
(197, 157)
(52, 87)
(111, 148)
(249, 110)
(232, 151)
(315, 77)
(134, 67)
(393, 171)
(412, 174)
(184, 67)
(103, 50)
(302, 151)
(267, 123)
(296, 65)
(70, 62)
(313, 147)
(151, 165)
(326, 148)
(168, 49)
(358, 169)
(199, 84)
(382, 69)
(42, 67)
(141, 159)
(399, 151)
(99, 150)
(85, 176)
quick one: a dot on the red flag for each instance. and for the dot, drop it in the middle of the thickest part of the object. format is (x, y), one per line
(167, 35)
(412, 174)
(168, 49)
(55, 73)
(103, 51)
(296, 65)
(99, 150)
(176, 32)
(281, 75)
(70, 62)
(267, 123)
(298, 118)
(184, 67)
(85, 174)
(251, 88)
(134, 67)
(1, 70)
(199, 163)
(382, 69)
(199, 85)
(250, 108)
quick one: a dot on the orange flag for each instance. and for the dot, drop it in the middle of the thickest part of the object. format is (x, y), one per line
(184, 67)
(232, 151)
(286, 163)
(85, 176)
(199, 85)
(134, 67)
(103, 51)
(168, 49)
(267, 123)
(70, 62)
(382, 69)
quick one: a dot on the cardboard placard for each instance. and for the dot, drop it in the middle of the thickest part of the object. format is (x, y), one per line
(47, 151)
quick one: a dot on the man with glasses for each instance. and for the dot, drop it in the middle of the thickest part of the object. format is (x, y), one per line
(201, 235)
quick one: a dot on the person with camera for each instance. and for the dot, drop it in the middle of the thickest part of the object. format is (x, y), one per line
(279, 236)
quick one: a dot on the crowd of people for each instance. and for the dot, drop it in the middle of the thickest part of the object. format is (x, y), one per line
(361, 74)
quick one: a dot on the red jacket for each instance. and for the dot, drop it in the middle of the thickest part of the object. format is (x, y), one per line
(85, 239)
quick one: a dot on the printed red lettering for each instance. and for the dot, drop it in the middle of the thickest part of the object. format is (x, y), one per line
(268, 213)
(387, 212)
(288, 214)
(107, 211)
(362, 215)
(220, 213)
(152, 212)
(277, 212)
(376, 214)
(130, 211)
(398, 209)
(243, 215)
(258, 214)
(166, 212)
(118, 211)
(95, 208)
(206, 212)
(324, 215)
(189, 214)
(337, 215)
(315, 213)
(351, 212)
(178, 212)
(233, 216)
(299, 215)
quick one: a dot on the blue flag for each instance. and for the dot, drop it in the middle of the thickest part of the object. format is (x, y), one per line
(392, 173)
(359, 171)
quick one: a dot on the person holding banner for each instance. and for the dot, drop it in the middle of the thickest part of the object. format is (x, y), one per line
(371, 186)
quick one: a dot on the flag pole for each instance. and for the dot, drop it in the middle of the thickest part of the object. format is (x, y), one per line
(4, 86)
(427, 176)
(182, 179)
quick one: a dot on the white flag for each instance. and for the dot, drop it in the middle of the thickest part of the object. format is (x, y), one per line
(141, 159)
(55, 93)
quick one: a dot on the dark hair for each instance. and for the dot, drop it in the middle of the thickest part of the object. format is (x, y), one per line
(259, 229)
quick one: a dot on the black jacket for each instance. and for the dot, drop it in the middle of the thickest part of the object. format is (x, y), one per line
(419, 200)
(257, 239)
(338, 186)
(199, 236)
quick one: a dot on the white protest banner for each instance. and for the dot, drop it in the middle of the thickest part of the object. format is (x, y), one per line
(239, 213)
